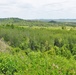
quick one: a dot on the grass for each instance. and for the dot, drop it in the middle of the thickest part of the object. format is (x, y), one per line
(49, 27)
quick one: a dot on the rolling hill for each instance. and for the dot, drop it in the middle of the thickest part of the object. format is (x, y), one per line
(37, 22)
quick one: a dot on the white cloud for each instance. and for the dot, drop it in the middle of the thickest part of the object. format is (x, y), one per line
(38, 8)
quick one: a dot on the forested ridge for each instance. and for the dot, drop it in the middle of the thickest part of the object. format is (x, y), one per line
(38, 22)
(37, 48)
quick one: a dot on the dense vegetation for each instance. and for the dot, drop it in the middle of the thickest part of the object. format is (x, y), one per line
(37, 50)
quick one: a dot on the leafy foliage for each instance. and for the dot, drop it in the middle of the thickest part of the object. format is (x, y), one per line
(37, 51)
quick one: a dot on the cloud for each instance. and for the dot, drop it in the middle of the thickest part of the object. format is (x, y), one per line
(59, 6)
(6, 2)
(38, 8)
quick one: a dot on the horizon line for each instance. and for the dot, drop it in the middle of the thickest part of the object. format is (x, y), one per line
(37, 18)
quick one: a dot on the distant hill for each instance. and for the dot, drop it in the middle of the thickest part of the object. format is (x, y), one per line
(10, 20)
(44, 20)
(15, 21)
(37, 22)
(18, 21)
(58, 20)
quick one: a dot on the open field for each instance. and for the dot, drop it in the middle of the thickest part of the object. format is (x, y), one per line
(50, 27)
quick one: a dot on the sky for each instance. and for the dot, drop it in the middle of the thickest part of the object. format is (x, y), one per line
(38, 9)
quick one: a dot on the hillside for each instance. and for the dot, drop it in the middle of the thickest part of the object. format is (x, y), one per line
(58, 20)
(37, 51)
(37, 22)
(10, 20)
(18, 21)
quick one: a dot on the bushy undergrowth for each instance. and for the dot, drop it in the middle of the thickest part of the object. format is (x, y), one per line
(62, 42)
(36, 51)
(35, 63)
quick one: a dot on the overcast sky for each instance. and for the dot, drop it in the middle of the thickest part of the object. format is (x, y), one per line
(38, 9)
